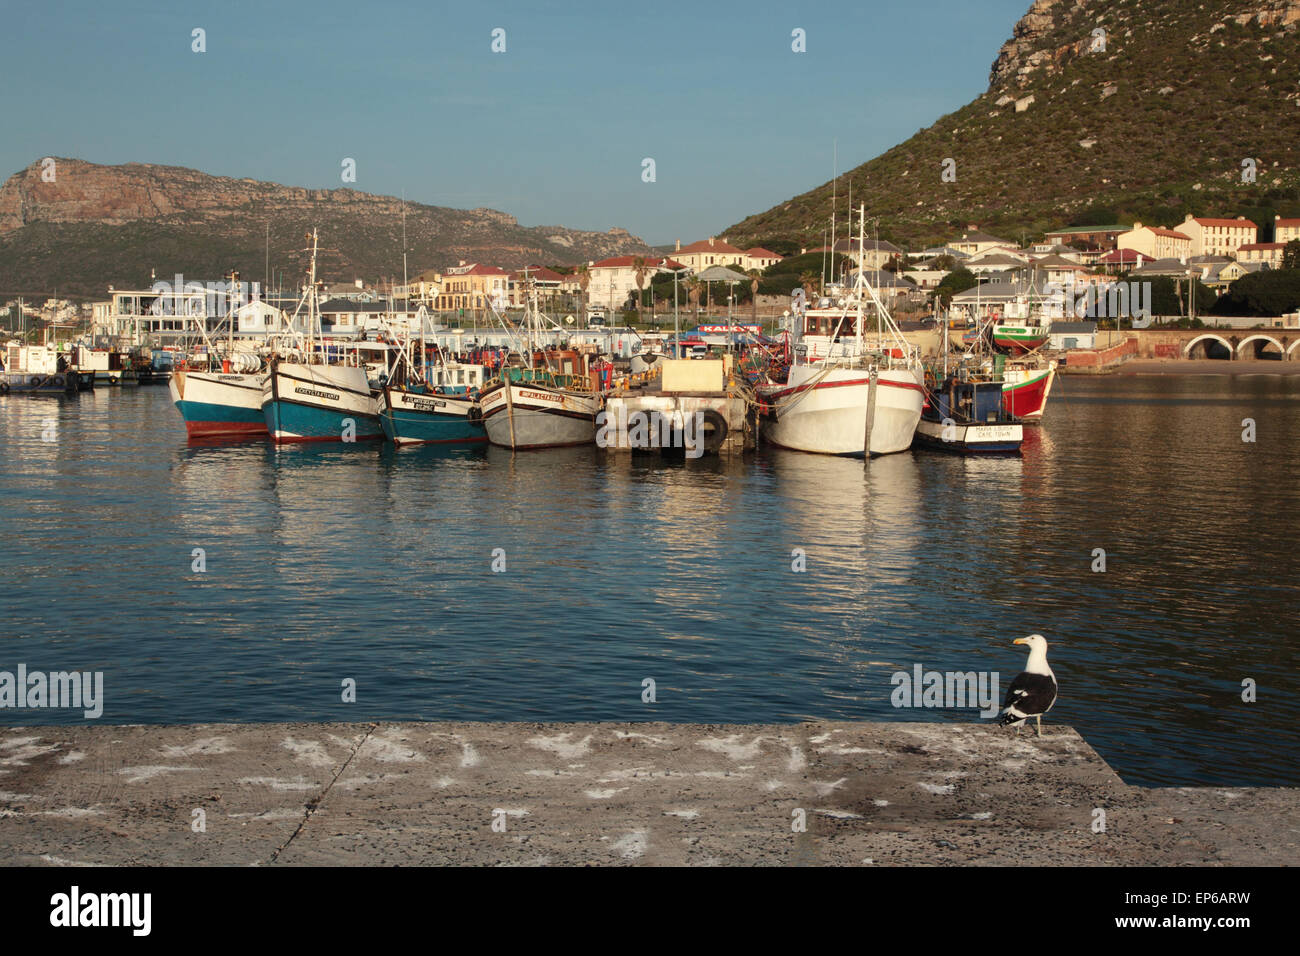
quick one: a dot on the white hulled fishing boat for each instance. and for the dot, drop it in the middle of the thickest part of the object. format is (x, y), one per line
(540, 399)
(848, 392)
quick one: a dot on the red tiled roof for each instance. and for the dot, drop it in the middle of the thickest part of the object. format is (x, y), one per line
(758, 252)
(1262, 245)
(1125, 255)
(1169, 232)
(624, 262)
(1244, 223)
(705, 246)
(1287, 222)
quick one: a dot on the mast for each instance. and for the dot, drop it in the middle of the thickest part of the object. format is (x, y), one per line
(835, 181)
(857, 325)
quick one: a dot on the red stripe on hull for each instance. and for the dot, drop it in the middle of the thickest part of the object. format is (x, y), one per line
(237, 429)
(857, 381)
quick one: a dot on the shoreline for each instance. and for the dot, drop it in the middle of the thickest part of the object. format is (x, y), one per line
(1139, 366)
(457, 793)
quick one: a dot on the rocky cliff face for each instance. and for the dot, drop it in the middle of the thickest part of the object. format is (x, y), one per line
(51, 212)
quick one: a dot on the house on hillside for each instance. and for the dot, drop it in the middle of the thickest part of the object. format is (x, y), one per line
(425, 286)
(999, 261)
(1218, 237)
(1123, 260)
(1284, 230)
(354, 291)
(1156, 242)
(875, 252)
(1269, 253)
(760, 258)
(1096, 237)
(548, 283)
(472, 286)
(713, 251)
(973, 242)
(614, 278)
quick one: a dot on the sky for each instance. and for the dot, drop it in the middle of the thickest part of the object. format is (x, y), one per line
(554, 130)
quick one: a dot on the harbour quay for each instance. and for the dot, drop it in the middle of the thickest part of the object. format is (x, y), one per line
(824, 792)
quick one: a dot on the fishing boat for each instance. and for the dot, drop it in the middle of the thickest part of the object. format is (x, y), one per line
(1026, 378)
(308, 398)
(846, 392)
(325, 390)
(1022, 326)
(1026, 383)
(110, 366)
(540, 398)
(432, 403)
(223, 402)
(964, 414)
(218, 388)
(35, 370)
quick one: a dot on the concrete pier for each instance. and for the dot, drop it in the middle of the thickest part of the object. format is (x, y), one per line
(612, 794)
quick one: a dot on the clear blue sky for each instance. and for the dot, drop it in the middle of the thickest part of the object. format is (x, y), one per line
(552, 131)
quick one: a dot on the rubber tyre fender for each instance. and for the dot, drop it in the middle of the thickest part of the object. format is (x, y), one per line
(715, 430)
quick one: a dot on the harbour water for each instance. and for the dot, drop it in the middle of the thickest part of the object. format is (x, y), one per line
(368, 563)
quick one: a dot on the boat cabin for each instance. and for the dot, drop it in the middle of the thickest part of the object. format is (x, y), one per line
(967, 401)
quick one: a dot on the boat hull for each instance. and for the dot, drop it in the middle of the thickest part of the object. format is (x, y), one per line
(30, 383)
(827, 413)
(1025, 395)
(413, 418)
(217, 404)
(998, 439)
(319, 403)
(538, 416)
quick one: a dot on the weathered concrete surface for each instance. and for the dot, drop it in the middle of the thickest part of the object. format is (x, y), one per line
(878, 793)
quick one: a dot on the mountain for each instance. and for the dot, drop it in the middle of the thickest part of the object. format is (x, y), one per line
(1147, 121)
(95, 226)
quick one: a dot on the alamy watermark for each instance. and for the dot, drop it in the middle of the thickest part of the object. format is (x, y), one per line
(57, 689)
(1115, 300)
(180, 297)
(950, 689)
(651, 430)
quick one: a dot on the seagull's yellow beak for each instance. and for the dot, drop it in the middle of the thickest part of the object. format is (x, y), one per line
(1021, 640)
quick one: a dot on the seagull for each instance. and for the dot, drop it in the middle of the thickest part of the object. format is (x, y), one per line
(1033, 692)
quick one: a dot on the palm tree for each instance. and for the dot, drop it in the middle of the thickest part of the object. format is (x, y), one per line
(809, 282)
(693, 286)
(753, 295)
(584, 280)
(641, 269)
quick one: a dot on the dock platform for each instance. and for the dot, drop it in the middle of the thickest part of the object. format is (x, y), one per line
(839, 793)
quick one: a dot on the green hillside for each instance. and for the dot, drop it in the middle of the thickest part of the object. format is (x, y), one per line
(1153, 127)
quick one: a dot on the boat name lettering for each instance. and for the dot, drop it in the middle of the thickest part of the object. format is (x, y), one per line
(332, 396)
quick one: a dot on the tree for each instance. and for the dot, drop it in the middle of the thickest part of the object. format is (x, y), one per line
(584, 280)
(753, 293)
(1291, 255)
(641, 269)
(693, 286)
(959, 280)
(1269, 292)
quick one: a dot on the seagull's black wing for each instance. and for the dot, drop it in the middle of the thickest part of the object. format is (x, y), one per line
(1030, 695)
